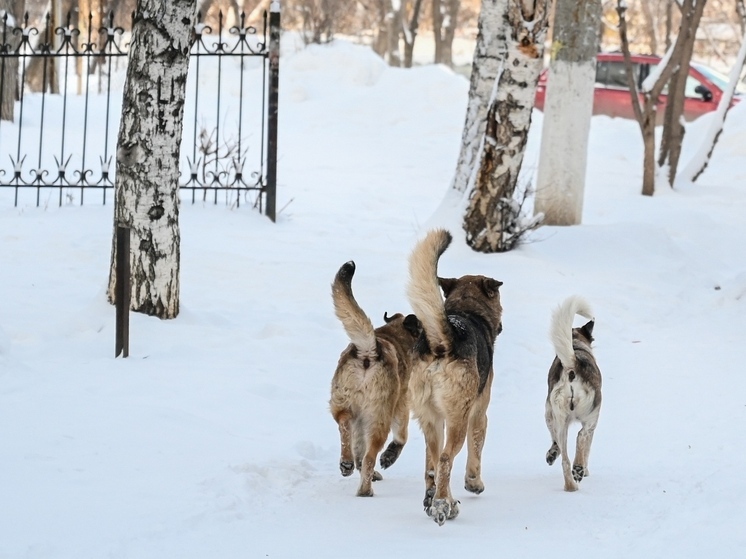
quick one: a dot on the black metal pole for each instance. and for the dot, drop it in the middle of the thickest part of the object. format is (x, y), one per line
(122, 292)
(274, 83)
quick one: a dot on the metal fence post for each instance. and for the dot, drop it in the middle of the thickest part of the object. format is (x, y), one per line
(122, 292)
(274, 82)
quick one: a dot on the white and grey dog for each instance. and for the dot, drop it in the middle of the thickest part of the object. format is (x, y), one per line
(574, 388)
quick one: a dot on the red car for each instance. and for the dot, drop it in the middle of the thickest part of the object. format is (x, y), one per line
(611, 97)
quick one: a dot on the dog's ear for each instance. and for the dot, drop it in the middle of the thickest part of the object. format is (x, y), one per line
(587, 330)
(387, 318)
(490, 287)
(413, 325)
(447, 285)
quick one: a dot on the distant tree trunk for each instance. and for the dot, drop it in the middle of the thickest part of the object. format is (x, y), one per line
(669, 23)
(646, 110)
(147, 179)
(393, 29)
(41, 71)
(489, 56)
(567, 112)
(650, 25)
(12, 12)
(673, 129)
(449, 23)
(436, 11)
(411, 33)
(491, 220)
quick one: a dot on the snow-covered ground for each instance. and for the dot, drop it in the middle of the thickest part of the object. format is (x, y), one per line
(213, 439)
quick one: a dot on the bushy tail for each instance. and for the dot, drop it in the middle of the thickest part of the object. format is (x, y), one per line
(356, 323)
(561, 328)
(423, 289)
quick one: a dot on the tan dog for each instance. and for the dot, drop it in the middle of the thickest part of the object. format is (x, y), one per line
(369, 388)
(452, 377)
(574, 389)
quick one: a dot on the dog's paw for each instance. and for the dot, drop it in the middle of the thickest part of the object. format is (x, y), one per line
(552, 454)
(442, 510)
(377, 476)
(428, 500)
(570, 485)
(389, 456)
(474, 484)
(365, 492)
(578, 473)
(346, 467)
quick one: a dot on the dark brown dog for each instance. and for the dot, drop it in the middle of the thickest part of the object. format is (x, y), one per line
(574, 389)
(452, 376)
(370, 386)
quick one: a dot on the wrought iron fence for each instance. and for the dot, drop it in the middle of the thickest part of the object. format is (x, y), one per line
(229, 145)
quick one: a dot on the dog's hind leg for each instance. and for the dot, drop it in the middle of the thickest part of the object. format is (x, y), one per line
(433, 432)
(583, 447)
(400, 431)
(346, 460)
(554, 450)
(561, 438)
(444, 506)
(376, 439)
(477, 432)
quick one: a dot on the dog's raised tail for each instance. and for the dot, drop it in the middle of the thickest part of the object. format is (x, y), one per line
(356, 323)
(423, 290)
(561, 328)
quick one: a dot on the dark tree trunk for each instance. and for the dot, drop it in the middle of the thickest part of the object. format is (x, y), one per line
(411, 35)
(449, 23)
(437, 14)
(12, 11)
(673, 130)
(147, 179)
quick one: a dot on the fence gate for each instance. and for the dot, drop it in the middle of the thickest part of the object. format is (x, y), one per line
(60, 98)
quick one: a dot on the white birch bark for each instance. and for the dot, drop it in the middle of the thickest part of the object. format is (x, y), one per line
(563, 156)
(489, 53)
(147, 179)
(698, 163)
(492, 217)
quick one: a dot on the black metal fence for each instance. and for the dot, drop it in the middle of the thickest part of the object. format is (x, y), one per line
(59, 146)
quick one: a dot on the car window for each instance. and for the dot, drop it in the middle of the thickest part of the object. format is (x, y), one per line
(616, 76)
(691, 85)
(602, 69)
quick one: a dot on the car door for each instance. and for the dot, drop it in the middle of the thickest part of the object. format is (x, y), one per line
(611, 96)
(700, 97)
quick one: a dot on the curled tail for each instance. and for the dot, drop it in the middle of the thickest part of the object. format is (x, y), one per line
(423, 290)
(356, 323)
(561, 328)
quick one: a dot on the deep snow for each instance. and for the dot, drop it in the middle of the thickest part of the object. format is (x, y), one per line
(213, 439)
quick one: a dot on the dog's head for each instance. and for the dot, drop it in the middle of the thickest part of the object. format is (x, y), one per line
(410, 325)
(584, 333)
(474, 294)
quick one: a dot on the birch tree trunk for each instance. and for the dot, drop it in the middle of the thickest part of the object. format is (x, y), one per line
(147, 179)
(567, 112)
(489, 56)
(491, 220)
